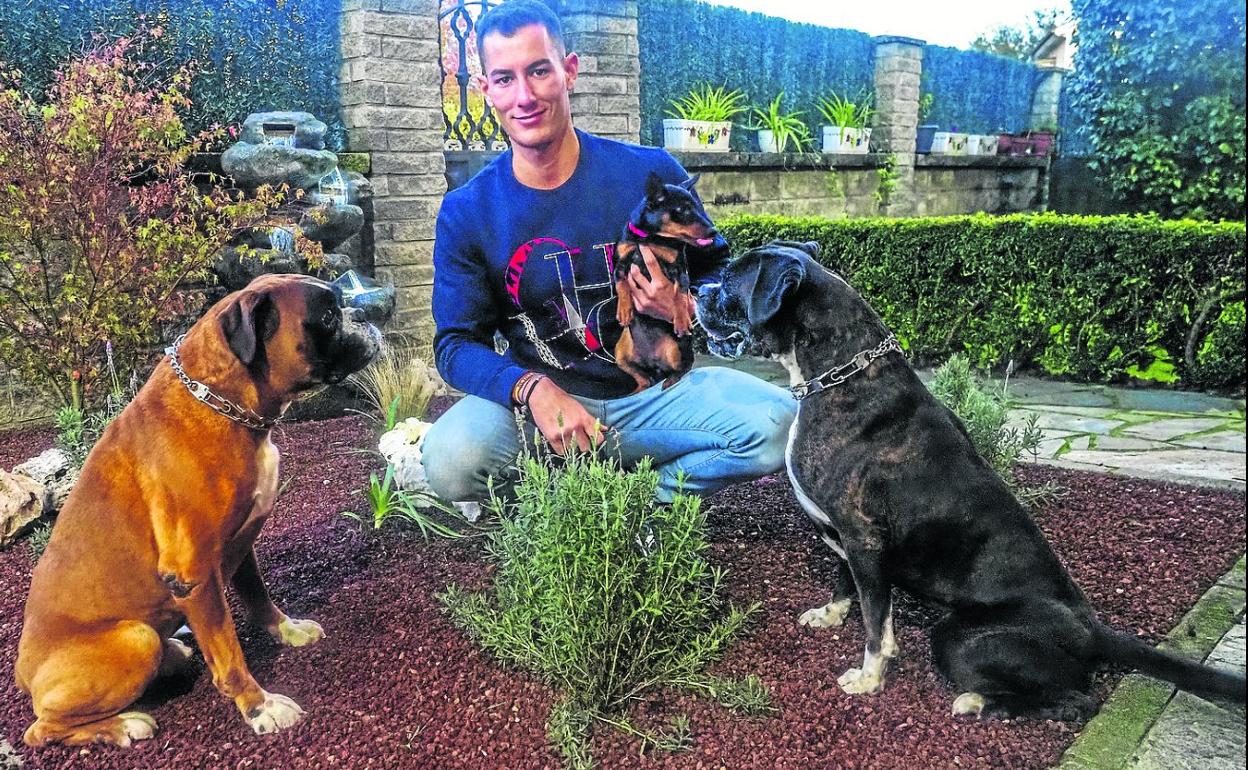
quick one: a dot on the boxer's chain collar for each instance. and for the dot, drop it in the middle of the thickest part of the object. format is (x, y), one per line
(202, 393)
(839, 374)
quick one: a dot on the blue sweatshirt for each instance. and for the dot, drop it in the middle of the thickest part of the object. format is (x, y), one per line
(536, 266)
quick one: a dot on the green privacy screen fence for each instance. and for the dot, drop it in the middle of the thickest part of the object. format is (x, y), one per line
(250, 54)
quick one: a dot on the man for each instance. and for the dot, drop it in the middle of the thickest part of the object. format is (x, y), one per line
(525, 249)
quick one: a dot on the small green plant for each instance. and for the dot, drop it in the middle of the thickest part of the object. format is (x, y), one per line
(387, 502)
(398, 385)
(843, 112)
(887, 174)
(37, 540)
(984, 411)
(605, 594)
(925, 106)
(706, 102)
(785, 127)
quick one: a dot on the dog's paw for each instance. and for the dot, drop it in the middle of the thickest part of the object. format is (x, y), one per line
(135, 726)
(968, 704)
(857, 682)
(829, 615)
(276, 712)
(293, 632)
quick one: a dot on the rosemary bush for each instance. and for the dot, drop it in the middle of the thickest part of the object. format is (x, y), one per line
(983, 410)
(605, 594)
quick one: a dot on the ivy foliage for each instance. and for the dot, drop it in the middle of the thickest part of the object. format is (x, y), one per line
(247, 56)
(1102, 299)
(1161, 86)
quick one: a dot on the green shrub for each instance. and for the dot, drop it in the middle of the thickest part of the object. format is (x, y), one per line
(1220, 358)
(1090, 298)
(984, 410)
(605, 594)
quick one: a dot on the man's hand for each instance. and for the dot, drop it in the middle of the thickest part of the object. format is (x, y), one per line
(562, 420)
(656, 297)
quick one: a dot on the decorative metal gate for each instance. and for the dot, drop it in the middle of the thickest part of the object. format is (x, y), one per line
(469, 122)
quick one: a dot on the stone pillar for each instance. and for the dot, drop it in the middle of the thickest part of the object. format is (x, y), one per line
(392, 108)
(607, 97)
(898, 64)
(1045, 100)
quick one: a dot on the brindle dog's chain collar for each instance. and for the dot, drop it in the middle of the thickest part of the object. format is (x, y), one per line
(839, 374)
(239, 414)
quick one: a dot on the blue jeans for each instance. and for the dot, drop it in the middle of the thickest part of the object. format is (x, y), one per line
(717, 426)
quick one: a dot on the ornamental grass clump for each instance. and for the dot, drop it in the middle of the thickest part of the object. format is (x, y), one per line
(605, 595)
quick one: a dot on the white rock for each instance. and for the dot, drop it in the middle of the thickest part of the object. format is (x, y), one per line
(21, 504)
(51, 465)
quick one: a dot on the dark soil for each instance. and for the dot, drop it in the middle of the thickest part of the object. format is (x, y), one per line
(395, 685)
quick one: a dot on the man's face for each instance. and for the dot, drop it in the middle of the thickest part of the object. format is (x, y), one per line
(527, 81)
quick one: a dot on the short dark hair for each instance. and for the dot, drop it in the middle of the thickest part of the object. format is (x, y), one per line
(507, 18)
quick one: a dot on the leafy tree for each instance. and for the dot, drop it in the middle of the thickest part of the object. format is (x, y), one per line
(100, 225)
(1018, 41)
(1162, 85)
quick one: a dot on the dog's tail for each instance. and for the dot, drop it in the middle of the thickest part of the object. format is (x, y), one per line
(1185, 674)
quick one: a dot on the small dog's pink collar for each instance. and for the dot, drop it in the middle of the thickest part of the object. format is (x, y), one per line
(637, 231)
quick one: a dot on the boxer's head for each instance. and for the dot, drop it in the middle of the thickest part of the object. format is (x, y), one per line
(291, 332)
(743, 313)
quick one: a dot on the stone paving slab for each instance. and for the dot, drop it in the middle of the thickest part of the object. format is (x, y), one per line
(1166, 430)
(1225, 441)
(1170, 465)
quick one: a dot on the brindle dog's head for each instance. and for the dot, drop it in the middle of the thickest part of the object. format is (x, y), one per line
(292, 333)
(744, 312)
(672, 211)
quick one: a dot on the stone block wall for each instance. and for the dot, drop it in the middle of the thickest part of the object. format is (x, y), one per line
(607, 97)
(392, 109)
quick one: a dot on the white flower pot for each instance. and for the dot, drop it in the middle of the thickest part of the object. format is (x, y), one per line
(696, 135)
(767, 141)
(841, 139)
(949, 143)
(981, 144)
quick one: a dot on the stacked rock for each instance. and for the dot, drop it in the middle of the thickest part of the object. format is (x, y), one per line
(276, 148)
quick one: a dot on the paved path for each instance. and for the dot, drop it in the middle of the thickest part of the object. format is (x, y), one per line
(1190, 438)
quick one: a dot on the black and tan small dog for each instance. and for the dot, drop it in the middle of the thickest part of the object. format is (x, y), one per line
(893, 484)
(667, 220)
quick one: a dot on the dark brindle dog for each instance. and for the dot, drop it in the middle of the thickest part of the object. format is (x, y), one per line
(668, 220)
(893, 484)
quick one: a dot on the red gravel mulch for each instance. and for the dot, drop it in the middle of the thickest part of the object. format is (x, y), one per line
(395, 685)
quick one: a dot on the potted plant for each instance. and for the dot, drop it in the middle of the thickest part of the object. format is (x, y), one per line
(949, 142)
(846, 129)
(777, 129)
(1042, 139)
(702, 120)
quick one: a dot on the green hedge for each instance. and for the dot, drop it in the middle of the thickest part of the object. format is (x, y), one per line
(1102, 299)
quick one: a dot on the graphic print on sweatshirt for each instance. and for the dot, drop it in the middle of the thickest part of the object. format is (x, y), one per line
(563, 298)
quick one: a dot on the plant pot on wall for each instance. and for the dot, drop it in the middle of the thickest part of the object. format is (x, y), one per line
(1041, 143)
(843, 139)
(696, 135)
(923, 139)
(949, 143)
(767, 141)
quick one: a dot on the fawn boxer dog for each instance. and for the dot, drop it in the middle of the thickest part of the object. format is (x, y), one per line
(166, 510)
(892, 483)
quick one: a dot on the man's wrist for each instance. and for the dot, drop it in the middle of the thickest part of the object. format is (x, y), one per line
(522, 391)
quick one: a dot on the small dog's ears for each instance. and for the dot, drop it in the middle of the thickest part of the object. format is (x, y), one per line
(655, 188)
(690, 182)
(247, 323)
(773, 276)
